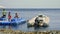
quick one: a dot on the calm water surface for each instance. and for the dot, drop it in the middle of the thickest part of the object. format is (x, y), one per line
(54, 16)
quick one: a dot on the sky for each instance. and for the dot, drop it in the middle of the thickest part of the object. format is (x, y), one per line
(30, 3)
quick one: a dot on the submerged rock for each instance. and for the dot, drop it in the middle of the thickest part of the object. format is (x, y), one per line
(9, 31)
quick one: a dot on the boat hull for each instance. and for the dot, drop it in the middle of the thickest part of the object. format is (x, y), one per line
(13, 22)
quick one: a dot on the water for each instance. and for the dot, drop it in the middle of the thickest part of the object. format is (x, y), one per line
(54, 16)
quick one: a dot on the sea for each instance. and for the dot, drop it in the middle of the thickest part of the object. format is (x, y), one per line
(53, 14)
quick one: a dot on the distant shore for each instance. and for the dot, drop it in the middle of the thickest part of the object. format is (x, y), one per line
(29, 9)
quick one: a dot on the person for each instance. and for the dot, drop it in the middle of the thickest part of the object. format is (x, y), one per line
(16, 15)
(9, 17)
(4, 13)
(39, 20)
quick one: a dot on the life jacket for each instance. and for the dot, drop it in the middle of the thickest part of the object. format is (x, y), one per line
(9, 17)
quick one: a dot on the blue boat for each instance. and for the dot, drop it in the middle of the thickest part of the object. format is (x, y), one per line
(2, 19)
(13, 22)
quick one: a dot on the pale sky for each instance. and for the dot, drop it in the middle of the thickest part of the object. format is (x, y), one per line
(30, 3)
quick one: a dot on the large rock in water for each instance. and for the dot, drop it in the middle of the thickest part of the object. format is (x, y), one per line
(44, 18)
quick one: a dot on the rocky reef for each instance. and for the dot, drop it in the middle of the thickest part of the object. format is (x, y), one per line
(9, 31)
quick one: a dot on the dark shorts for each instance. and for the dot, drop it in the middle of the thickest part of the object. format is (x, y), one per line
(4, 16)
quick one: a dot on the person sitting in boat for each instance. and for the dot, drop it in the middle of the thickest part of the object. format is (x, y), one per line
(4, 13)
(16, 15)
(9, 17)
(38, 19)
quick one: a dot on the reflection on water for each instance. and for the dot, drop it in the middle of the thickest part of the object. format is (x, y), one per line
(54, 23)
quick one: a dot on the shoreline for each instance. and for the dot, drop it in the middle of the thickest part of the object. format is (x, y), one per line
(9, 31)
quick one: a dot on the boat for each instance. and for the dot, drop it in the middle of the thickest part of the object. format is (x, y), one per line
(42, 23)
(2, 19)
(13, 22)
(18, 20)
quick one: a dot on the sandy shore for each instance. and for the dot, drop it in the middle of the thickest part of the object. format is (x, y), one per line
(9, 31)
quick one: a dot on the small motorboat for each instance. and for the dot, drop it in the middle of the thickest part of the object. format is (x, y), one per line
(41, 21)
(13, 22)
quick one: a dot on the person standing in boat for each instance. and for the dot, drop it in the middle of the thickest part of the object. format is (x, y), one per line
(16, 15)
(4, 13)
(9, 17)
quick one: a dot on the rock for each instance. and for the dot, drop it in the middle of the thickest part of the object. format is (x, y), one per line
(8, 31)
